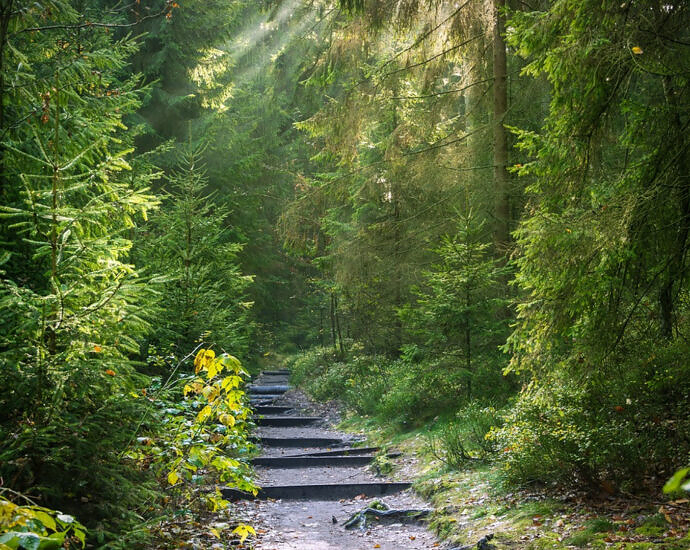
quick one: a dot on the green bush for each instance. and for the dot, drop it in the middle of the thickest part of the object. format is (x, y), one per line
(464, 438)
(620, 430)
(404, 393)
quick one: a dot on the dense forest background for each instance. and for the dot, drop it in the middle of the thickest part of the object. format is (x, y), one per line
(475, 214)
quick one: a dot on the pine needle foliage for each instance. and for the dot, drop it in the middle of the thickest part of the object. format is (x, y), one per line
(602, 249)
(189, 243)
(71, 303)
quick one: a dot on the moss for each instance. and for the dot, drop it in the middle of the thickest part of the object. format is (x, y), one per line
(599, 525)
(544, 542)
(480, 513)
(443, 525)
(579, 539)
(653, 526)
(590, 532)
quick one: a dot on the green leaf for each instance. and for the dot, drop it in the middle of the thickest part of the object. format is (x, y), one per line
(29, 541)
(10, 539)
(65, 519)
(676, 482)
(81, 535)
(46, 519)
(52, 542)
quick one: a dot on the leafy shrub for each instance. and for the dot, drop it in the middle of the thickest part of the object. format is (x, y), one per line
(615, 431)
(405, 393)
(31, 526)
(465, 437)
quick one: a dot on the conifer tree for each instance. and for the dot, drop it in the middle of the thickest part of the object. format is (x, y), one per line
(459, 307)
(188, 243)
(71, 303)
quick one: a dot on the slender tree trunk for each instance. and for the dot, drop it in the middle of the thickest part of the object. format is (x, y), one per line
(321, 329)
(337, 327)
(500, 136)
(333, 338)
(5, 16)
(676, 268)
(468, 344)
(52, 325)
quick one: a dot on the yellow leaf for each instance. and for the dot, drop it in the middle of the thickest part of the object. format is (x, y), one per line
(45, 519)
(97, 348)
(243, 531)
(213, 369)
(227, 419)
(198, 359)
(230, 382)
(637, 50)
(211, 393)
(204, 413)
(215, 532)
(173, 477)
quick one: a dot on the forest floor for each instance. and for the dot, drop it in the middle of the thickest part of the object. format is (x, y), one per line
(318, 524)
(467, 505)
(473, 503)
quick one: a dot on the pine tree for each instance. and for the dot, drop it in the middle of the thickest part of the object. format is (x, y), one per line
(459, 309)
(71, 303)
(189, 244)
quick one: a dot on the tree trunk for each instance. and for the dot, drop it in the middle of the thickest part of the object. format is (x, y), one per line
(337, 328)
(321, 329)
(676, 271)
(6, 7)
(500, 137)
(335, 345)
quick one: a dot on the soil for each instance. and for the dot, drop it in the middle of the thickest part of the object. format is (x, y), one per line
(318, 525)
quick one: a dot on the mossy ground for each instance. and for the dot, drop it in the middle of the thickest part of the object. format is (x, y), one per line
(475, 502)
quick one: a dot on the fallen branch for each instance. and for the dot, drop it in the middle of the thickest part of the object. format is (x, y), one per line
(382, 514)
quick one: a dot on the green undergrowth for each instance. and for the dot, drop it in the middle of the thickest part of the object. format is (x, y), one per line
(472, 496)
(476, 500)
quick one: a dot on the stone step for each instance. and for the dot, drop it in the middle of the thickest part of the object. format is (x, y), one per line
(263, 399)
(279, 372)
(303, 442)
(346, 451)
(271, 409)
(255, 389)
(329, 491)
(287, 421)
(307, 461)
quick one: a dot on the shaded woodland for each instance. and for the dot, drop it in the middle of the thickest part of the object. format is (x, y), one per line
(473, 215)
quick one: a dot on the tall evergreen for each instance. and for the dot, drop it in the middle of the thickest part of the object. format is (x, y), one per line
(188, 244)
(71, 303)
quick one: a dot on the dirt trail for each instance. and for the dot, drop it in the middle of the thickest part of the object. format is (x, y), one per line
(307, 524)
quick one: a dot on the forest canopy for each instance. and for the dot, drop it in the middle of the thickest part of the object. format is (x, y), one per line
(477, 212)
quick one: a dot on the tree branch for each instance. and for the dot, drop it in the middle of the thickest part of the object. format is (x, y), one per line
(88, 24)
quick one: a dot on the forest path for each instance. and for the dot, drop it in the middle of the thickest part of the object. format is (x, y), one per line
(306, 499)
